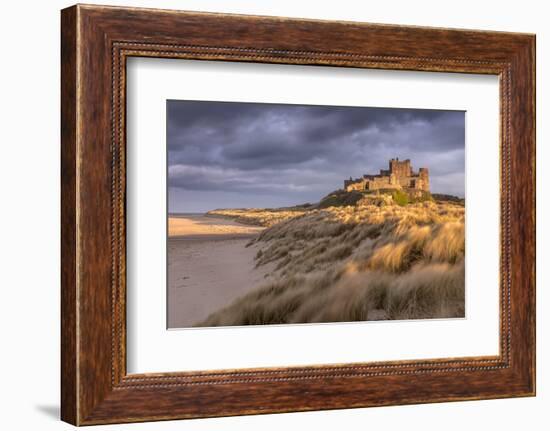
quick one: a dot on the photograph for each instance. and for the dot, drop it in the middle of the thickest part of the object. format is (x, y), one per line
(291, 214)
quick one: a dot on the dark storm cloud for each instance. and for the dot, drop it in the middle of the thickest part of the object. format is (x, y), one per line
(291, 152)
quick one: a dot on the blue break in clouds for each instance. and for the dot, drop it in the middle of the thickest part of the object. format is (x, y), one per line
(226, 154)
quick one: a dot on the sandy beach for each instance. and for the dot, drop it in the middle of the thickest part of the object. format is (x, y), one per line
(209, 266)
(197, 226)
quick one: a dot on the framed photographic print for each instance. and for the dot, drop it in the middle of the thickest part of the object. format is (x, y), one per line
(266, 215)
(378, 247)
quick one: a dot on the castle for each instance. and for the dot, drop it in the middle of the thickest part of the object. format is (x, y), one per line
(399, 176)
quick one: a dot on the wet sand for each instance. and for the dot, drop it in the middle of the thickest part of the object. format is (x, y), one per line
(209, 266)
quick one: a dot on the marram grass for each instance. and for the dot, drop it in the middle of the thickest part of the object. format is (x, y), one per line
(369, 261)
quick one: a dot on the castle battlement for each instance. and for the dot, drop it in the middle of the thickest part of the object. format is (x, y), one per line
(398, 176)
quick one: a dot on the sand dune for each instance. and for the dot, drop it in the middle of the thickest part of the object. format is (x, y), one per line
(375, 260)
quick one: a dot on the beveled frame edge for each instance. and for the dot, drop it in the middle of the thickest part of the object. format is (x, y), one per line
(96, 41)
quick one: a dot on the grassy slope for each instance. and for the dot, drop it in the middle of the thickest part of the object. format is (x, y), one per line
(373, 260)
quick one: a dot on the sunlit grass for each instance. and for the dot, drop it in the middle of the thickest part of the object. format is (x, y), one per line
(369, 261)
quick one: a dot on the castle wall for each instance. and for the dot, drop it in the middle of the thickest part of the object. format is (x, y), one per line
(404, 181)
(378, 183)
(358, 185)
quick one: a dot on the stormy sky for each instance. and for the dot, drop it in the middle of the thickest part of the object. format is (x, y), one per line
(236, 155)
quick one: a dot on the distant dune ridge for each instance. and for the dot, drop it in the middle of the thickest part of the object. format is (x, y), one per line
(373, 259)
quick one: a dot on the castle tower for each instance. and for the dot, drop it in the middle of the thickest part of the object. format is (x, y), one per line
(401, 169)
(424, 175)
